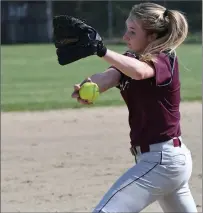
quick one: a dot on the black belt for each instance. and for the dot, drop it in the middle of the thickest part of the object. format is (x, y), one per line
(146, 148)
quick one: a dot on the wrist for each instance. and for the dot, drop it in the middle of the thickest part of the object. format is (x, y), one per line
(101, 49)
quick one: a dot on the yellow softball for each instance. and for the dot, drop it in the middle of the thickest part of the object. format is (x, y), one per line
(89, 91)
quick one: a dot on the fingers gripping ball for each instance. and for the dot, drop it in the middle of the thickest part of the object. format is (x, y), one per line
(89, 91)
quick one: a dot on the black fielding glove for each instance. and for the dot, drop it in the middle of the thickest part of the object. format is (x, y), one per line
(74, 40)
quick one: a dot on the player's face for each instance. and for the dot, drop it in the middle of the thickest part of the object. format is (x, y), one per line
(135, 36)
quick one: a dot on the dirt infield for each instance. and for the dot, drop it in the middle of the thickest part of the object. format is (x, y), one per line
(63, 161)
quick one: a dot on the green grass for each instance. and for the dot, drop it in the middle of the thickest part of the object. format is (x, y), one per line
(31, 78)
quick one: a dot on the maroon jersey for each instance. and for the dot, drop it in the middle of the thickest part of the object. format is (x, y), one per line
(153, 103)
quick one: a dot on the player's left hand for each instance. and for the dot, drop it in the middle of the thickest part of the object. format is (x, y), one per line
(74, 39)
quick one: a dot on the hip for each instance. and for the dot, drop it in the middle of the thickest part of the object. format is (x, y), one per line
(172, 162)
(170, 152)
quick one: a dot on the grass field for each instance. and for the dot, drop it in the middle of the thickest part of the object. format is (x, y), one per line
(31, 78)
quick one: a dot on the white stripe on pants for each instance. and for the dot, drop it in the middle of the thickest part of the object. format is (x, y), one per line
(160, 175)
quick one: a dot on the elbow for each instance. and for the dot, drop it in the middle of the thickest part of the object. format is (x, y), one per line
(138, 76)
(144, 74)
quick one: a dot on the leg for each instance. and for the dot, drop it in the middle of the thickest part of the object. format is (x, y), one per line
(132, 192)
(179, 201)
(156, 175)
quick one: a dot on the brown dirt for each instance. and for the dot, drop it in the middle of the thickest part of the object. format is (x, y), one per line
(66, 160)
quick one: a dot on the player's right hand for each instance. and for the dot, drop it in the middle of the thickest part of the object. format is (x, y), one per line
(76, 95)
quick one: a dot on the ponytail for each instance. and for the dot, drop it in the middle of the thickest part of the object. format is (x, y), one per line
(178, 29)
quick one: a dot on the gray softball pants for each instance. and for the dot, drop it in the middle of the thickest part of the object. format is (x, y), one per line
(160, 175)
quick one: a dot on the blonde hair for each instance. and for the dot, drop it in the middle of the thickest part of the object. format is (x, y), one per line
(170, 25)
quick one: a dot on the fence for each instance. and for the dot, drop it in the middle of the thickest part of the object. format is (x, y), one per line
(25, 22)
(31, 21)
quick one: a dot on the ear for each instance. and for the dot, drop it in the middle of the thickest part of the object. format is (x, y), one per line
(152, 37)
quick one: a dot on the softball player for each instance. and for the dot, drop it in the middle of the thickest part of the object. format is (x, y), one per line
(148, 78)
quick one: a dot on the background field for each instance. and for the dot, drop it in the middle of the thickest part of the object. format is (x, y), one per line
(33, 80)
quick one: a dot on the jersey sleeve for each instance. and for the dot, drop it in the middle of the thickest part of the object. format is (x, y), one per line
(164, 67)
